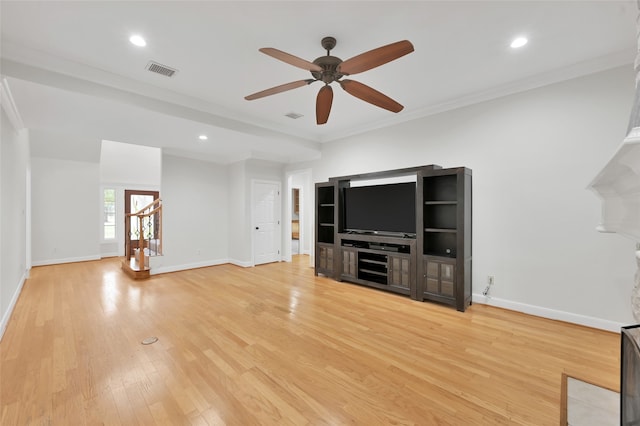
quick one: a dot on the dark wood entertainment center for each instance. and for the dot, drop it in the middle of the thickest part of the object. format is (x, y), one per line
(434, 264)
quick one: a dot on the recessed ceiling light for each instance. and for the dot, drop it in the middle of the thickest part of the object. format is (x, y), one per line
(203, 137)
(137, 40)
(519, 42)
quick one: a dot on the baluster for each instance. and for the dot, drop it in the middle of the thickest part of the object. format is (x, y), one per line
(149, 231)
(127, 236)
(160, 231)
(141, 262)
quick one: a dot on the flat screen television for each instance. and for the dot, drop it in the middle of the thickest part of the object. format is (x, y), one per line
(381, 209)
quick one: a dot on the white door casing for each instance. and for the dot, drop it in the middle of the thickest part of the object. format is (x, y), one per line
(266, 221)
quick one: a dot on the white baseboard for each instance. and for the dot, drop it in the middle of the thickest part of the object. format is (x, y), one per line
(243, 264)
(112, 254)
(12, 305)
(155, 270)
(549, 313)
(65, 260)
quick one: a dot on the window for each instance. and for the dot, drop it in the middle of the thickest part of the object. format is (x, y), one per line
(109, 213)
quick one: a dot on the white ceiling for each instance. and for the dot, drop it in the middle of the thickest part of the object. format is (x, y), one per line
(72, 71)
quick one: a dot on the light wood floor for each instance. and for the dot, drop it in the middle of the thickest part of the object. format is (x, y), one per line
(274, 345)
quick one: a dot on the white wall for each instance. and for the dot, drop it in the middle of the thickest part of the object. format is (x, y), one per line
(307, 205)
(532, 156)
(195, 215)
(64, 145)
(65, 211)
(124, 163)
(239, 231)
(14, 164)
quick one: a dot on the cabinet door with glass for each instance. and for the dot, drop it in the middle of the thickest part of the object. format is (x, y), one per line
(324, 263)
(399, 271)
(349, 263)
(439, 277)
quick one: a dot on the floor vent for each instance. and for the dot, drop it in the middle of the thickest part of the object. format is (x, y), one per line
(161, 69)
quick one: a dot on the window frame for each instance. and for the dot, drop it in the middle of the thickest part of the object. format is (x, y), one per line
(103, 212)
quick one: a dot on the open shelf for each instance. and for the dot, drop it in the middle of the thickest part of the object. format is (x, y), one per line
(325, 216)
(441, 188)
(375, 262)
(325, 234)
(440, 243)
(440, 203)
(370, 271)
(326, 196)
(372, 267)
(440, 215)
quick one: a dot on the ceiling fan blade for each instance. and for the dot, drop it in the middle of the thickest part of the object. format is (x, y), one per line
(323, 104)
(278, 89)
(376, 57)
(290, 59)
(367, 94)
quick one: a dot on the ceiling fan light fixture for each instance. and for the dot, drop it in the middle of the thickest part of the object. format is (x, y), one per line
(519, 42)
(138, 40)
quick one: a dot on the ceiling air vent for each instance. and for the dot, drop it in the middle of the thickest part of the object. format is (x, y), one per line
(293, 115)
(161, 69)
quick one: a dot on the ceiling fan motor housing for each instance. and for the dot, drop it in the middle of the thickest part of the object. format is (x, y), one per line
(329, 66)
(328, 63)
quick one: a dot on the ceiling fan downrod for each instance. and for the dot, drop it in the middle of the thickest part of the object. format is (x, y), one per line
(328, 63)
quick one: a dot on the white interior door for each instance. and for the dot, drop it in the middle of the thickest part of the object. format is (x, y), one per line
(266, 222)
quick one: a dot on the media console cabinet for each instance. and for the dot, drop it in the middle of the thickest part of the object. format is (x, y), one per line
(432, 264)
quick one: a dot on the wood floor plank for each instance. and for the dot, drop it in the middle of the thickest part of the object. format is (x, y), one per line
(276, 345)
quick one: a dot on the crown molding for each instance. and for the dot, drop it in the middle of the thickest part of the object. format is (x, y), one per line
(9, 106)
(580, 69)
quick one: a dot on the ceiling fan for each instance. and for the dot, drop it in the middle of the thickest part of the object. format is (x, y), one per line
(329, 69)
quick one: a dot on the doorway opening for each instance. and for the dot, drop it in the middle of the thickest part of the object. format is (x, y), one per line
(298, 217)
(295, 221)
(134, 201)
